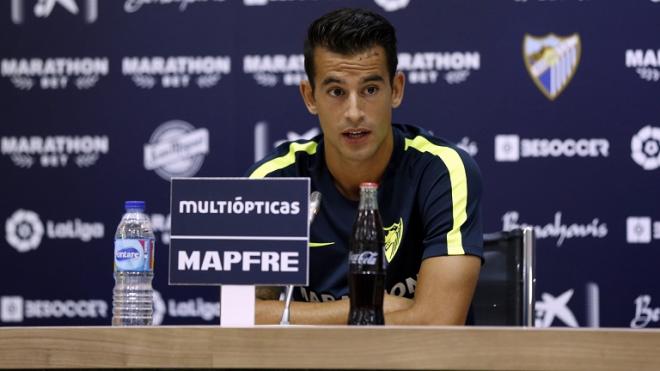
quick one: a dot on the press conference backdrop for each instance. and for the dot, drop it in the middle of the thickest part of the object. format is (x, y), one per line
(104, 101)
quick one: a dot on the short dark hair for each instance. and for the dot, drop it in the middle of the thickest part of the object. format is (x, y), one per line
(350, 31)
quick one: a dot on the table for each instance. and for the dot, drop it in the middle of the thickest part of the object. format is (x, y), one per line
(330, 347)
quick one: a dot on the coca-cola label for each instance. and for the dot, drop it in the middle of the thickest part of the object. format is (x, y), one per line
(364, 258)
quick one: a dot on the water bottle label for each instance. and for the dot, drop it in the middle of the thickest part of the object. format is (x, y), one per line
(134, 255)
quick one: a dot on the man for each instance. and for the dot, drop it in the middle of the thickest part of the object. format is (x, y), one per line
(428, 190)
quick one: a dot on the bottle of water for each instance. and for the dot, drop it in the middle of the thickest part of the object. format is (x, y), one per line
(132, 297)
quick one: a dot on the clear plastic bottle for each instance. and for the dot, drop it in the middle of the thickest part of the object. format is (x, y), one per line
(132, 297)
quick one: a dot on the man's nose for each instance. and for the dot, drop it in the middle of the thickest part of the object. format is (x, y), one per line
(354, 111)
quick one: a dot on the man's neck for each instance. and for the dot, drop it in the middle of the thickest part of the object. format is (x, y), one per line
(348, 175)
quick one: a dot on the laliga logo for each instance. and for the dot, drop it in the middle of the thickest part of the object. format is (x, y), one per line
(24, 230)
(176, 148)
(645, 147)
(392, 5)
(551, 61)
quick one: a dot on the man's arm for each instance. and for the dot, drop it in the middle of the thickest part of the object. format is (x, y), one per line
(443, 294)
(326, 313)
(445, 286)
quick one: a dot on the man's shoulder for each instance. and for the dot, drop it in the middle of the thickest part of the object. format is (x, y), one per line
(283, 160)
(419, 142)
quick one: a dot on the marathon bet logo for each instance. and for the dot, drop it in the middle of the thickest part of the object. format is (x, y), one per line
(54, 73)
(427, 67)
(175, 149)
(511, 148)
(642, 229)
(557, 229)
(132, 6)
(645, 147)
(54, 151)
(24, 230)
(392, 5)
(551, 61)
(270, 70)
(176, 72)
(18, 309)
(645, 62)
(44, 8)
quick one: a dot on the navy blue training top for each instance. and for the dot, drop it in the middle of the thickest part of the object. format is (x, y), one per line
(429, 201)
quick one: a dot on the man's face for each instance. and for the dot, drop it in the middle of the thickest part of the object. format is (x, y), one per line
(353, 98)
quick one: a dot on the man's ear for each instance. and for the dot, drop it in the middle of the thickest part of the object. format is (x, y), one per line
(398, 86)
(308, 96)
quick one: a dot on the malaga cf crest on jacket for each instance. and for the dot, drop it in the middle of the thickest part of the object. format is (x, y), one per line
(551, 61)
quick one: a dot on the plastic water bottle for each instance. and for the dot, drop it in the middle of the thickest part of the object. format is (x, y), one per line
(132, 297)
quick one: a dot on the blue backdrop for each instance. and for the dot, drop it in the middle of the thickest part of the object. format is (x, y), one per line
(104, 101)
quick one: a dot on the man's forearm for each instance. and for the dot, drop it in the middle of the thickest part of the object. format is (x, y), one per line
(326, 313)
(303, 313)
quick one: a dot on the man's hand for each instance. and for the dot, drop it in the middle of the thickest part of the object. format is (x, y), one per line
(268, 292)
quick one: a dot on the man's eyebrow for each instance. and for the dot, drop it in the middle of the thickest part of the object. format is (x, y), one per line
(372, 78)
(331, 80)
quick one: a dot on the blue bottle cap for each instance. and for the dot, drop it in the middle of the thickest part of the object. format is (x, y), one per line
(134, 205)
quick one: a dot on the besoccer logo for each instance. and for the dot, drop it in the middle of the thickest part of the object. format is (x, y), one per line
(645, 147)
(11, 309)
(638, 229)
(551, 61)
(24, 230)
(507, 148)
(642, 229)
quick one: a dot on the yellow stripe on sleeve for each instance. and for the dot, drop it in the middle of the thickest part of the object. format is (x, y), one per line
(285, 160)
(458, 180)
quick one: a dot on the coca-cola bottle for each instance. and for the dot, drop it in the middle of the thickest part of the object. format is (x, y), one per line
(366, 270)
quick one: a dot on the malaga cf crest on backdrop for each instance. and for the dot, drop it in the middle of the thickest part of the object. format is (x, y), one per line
(551, 61)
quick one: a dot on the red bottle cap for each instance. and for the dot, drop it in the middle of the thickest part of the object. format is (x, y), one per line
(369, 185)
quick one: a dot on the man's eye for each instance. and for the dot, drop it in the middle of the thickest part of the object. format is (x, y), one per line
(371, 90)
(336, 92)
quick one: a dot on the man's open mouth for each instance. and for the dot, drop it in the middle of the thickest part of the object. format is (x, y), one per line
(355, 133)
